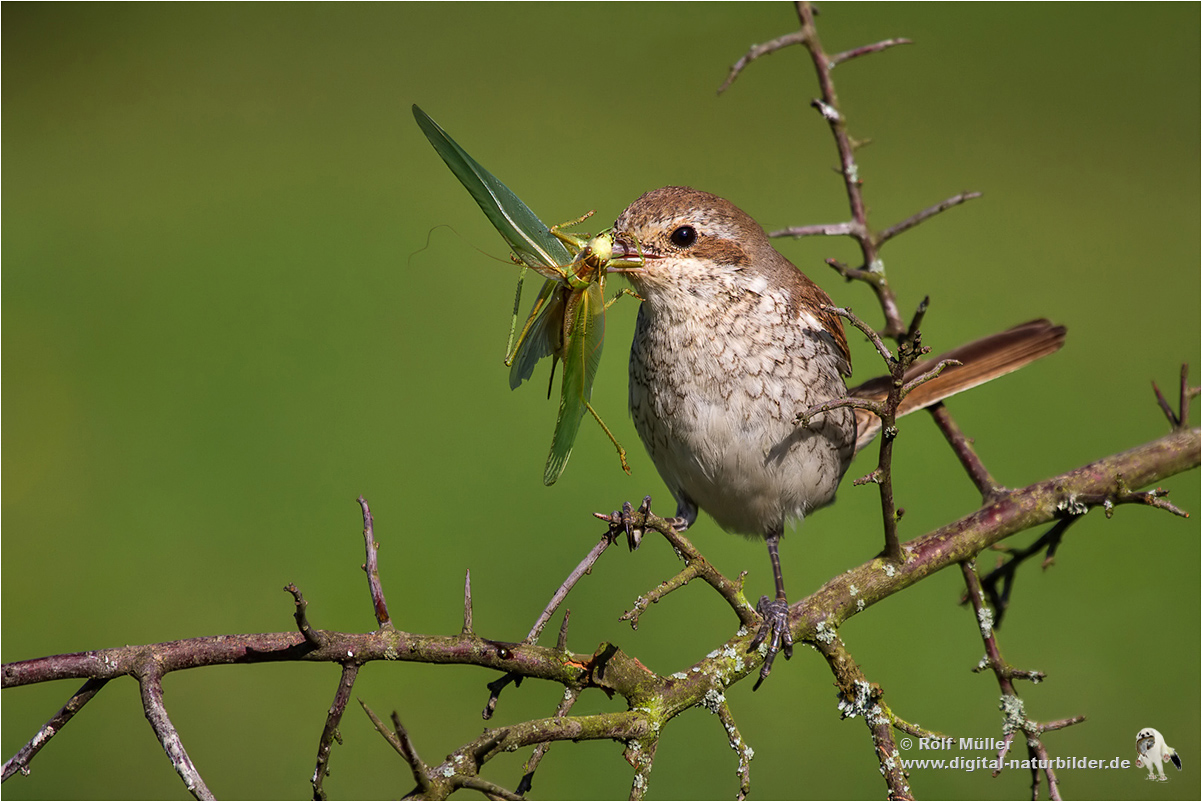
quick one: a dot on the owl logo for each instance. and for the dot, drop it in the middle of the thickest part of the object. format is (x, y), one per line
(1154, 752)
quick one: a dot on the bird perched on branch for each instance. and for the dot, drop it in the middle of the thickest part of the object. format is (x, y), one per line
(732, 343)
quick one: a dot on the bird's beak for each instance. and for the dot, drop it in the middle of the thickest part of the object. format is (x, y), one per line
(628, 256)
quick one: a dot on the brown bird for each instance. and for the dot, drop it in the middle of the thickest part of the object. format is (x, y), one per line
(730, 345)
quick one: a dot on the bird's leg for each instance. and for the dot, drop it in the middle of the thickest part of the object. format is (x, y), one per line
(686, 513)
(775, 612)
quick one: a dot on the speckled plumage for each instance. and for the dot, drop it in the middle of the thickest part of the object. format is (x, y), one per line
(729, 346)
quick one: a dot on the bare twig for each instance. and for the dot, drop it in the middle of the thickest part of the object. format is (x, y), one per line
(164, 730)
(901, 725)
(925, 214)
(640, 753)
(985, 484)
(312, 636)
(372, 568)
(1008, 671)
(561, 643)
(1180, 418)
(570, 695)
(399, 740)
(1071, 507)
(876, 47)
(696, 564)
(860, 698)
(1174, 421)
(490, 790)
(1121, 495)
(909, 349)
(494, 691)
(984, 615)
(585, 567)
(920, 313)
(869, 332)
(329, 733)
(1007, 571)
(1187, 393)
(745, 752)
(853, 273)
(871, 270)
(1061, 723)
(842, 597)
(460, 768)
(756, 51)
(686, 575)
(1014, 716)
(847, 402)
(824, 230)
(1019, 510)
(928, 375)
(828, 105)
(20, 761)
(467, 603)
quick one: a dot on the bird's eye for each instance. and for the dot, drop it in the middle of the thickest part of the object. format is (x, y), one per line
(684, 236)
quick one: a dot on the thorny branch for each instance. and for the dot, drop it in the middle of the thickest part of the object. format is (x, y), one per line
(635, 522)
(872, 268)
(1007, 570)
(813, 618)
(1014, 716)
(909, 350)
(860, 698)
(871, 271)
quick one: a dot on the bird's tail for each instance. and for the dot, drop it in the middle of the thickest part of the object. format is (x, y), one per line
(983, 360)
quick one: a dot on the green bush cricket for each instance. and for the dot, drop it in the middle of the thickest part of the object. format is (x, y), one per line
(567, 321)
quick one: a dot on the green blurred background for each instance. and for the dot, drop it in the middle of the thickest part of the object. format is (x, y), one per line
(220, 326)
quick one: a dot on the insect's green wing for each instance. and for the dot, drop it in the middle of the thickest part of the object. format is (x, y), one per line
(540, 336)
(582, 355)
(527, 236)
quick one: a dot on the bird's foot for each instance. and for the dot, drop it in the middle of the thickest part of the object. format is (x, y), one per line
(628, 520)
(775, 630)
(633, 521)
(679, 523)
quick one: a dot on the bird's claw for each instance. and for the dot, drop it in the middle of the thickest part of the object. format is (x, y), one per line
(679, 523)
(629, 520)
(774, 628)
(632, 526)
(633, 522)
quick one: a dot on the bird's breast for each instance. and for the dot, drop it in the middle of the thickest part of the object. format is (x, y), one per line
(715, 383)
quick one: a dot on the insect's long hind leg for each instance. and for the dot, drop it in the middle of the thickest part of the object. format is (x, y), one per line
(610, 435)
(513, 323)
